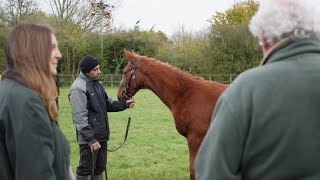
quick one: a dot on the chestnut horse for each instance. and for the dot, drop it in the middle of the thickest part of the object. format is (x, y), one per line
(191, 99)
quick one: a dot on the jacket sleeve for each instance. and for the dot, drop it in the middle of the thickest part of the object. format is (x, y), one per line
(78, 101)
(220, 153)
(33, 141)
(115, 106)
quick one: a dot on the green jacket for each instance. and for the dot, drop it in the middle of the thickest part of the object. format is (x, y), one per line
(266, 125)
(32, 147)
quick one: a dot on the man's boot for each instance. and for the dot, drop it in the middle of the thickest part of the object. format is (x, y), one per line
(82, 177)
(98, 176)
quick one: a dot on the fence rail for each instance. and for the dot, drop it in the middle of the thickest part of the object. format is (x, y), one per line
(114, 79)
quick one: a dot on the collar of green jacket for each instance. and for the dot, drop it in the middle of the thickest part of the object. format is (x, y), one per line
(291, 47)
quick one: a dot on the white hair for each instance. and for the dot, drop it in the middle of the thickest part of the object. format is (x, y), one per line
(278, 19)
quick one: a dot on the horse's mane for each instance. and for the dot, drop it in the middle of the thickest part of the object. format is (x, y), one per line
(170, 66)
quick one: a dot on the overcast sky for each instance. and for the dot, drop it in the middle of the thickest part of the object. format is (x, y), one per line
(168, 16)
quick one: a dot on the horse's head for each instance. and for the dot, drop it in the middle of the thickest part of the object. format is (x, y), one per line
(128, 85)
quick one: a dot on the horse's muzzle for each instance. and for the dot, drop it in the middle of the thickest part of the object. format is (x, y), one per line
(124, 96)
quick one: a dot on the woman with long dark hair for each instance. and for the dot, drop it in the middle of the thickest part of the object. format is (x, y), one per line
(32, 145)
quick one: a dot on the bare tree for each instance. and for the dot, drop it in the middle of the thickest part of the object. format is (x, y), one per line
(14, 11)
(87, 14)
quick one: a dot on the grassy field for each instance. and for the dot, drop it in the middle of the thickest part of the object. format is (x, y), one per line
(153, 150)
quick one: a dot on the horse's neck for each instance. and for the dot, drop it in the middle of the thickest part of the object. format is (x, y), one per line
(165, 82)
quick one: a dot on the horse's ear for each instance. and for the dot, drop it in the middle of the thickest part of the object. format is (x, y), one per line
(125, 51)
(128, 55)
(133, 53)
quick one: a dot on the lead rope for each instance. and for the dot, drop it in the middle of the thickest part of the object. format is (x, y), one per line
(105, 172)
(125, 138)
(93, 165)
(126, 135)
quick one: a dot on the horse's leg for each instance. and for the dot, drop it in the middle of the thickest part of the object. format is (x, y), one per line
(194, 144)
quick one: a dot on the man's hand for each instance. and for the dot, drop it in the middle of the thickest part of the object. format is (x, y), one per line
(94, 147)
(130, 102)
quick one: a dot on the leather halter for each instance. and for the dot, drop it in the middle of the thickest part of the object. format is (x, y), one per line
(125, 93)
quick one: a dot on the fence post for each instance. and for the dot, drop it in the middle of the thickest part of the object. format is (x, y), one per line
(111, 81)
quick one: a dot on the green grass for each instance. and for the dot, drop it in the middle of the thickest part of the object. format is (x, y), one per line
(154, 149)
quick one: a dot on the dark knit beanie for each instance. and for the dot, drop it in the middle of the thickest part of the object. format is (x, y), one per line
(87, 63)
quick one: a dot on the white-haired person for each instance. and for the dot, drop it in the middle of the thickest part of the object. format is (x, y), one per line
(266, 125)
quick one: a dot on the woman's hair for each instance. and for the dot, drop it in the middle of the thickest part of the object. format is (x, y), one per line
(28, 52)
(279, 19)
